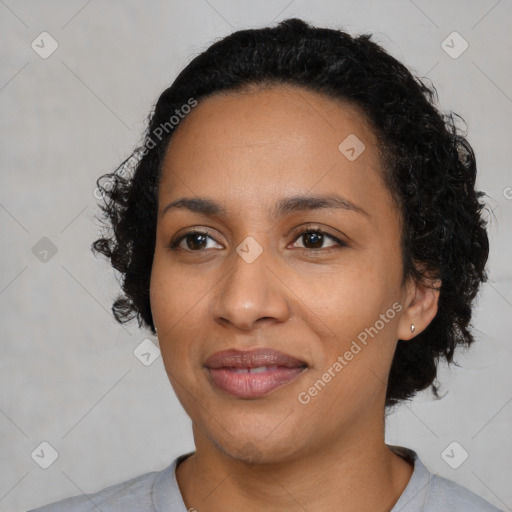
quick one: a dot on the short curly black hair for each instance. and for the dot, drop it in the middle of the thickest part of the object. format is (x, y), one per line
(428, 166)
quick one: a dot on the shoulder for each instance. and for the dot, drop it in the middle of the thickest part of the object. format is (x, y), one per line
(131, 495)
(447, 495)
(427, 492)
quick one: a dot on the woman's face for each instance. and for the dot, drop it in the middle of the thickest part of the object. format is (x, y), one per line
(272, 163)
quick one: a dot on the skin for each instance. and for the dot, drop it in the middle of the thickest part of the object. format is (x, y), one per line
(247, 151)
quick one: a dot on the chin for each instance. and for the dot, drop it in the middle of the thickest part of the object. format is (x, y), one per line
(256, 440)
(263, 452)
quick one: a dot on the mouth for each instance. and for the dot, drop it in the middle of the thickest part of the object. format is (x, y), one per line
(253, 374)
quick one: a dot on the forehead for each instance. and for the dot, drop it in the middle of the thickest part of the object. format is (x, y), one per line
(278, 115)
(282, 140)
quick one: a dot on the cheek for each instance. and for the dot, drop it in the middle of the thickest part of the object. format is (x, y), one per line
(350, 297)
(178, 305)
(353, 314)
(177, 292)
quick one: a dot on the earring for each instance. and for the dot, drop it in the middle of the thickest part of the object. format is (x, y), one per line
(412, 327)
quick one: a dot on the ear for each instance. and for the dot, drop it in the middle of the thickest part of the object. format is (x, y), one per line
(420, 307)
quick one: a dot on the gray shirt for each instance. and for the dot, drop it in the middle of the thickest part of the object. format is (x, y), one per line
(158, 491)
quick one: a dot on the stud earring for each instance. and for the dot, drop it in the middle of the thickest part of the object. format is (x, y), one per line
(412, 327)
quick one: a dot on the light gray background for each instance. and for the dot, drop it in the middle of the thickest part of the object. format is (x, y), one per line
(68, 373)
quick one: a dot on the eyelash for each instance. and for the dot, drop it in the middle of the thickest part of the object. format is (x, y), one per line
(306, 230)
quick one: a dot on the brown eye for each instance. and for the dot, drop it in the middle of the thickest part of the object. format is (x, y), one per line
(194, 241)
(314, 239)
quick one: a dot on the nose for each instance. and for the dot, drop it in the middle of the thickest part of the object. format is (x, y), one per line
(251, 295)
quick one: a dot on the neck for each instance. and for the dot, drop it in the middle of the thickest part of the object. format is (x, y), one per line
(357, 471)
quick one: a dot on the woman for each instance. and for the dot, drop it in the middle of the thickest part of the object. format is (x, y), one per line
(301, 230)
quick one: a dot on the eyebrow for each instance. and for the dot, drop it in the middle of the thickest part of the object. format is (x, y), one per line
(284, 206)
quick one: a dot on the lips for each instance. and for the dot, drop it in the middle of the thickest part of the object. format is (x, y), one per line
(252, 374)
